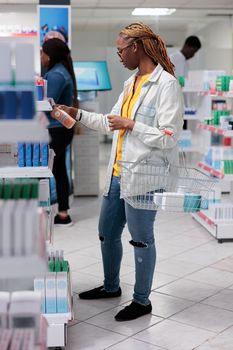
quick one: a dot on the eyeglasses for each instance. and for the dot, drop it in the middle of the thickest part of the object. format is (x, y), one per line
(120, 51)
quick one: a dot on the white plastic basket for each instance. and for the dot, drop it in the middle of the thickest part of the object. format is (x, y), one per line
(153, 186)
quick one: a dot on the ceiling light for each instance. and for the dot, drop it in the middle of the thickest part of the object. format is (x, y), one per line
(139, 11)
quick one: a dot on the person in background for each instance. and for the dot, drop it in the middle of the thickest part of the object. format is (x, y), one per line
(55, 56)
(150, 104)
(179, 59)
(54, 34)
(191, 45)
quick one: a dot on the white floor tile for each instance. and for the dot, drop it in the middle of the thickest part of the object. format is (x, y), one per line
(223, 299)
(166, 305)
(176, 267)
(223, 341)
(85, 309)
(212, 276)
(189, 290)
(106, 320)
(172, 335)
(206, 317)
(134, 344)
(225, 264)
(84, 336)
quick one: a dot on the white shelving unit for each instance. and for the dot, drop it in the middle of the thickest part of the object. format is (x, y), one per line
(57, 323)
(220, 229)
(22, 130)
(12, 267)
(25, 172)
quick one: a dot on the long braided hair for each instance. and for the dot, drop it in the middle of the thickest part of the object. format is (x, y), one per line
(153, 44)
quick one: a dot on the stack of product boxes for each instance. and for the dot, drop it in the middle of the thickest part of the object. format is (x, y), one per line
(21, 325)
(33, 154)
(54, 287)
(20, 231)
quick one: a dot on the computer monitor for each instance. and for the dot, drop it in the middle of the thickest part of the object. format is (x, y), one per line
(92, 75)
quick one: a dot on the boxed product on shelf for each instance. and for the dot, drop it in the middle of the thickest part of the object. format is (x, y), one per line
(221, 211)
(33, 154)
(41, 89)
(24, 311)
(202, 80)
(224, 83)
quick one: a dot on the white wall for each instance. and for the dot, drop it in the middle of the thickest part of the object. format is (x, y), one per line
(217, 51)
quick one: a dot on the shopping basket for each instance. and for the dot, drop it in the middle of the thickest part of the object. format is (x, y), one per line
(152, 186)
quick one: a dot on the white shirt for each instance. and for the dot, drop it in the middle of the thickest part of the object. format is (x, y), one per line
(159, 107)
(180, 63)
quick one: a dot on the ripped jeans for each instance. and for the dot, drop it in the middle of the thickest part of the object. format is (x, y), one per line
(115, 212)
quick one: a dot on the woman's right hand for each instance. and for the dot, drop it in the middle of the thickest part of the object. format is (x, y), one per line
(72, 111)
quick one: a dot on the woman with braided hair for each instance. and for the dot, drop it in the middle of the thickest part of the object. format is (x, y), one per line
(151, 102)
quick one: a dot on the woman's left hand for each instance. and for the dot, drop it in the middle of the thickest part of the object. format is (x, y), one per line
(116, 123)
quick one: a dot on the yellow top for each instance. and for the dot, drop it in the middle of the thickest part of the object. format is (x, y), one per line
(126, 112)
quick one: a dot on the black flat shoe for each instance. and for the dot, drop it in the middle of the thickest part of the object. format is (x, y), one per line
(99, 293)
(133, 311)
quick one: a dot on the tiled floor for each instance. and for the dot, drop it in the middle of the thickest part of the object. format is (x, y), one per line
(192, 293)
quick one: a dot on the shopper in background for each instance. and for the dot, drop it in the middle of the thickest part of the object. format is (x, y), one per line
(55, 56)
(150, 103)
(179, 59)
(54, 34)
(191, 45)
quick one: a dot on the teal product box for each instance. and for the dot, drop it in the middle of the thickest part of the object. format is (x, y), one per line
(36, 154)
(39, 286)
(44, 154)
(21, 154)
(192, 202)
(28, 147)
(62, 292)
(50, 293)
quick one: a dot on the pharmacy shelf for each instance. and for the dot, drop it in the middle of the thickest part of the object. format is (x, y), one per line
(227, 94)
(20, 267)
(215, 129)
(43, 106)
(210, 170)
(57, 323)
(221, 231)
(57, 329)
(22, 130)
(214, 172)
(25, 172)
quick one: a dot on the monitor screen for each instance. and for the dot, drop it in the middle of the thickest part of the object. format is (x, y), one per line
(92, 75)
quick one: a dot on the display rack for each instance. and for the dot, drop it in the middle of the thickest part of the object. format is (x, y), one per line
(25, 172)
(57, 323)
(202, 102)
(22, 131)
